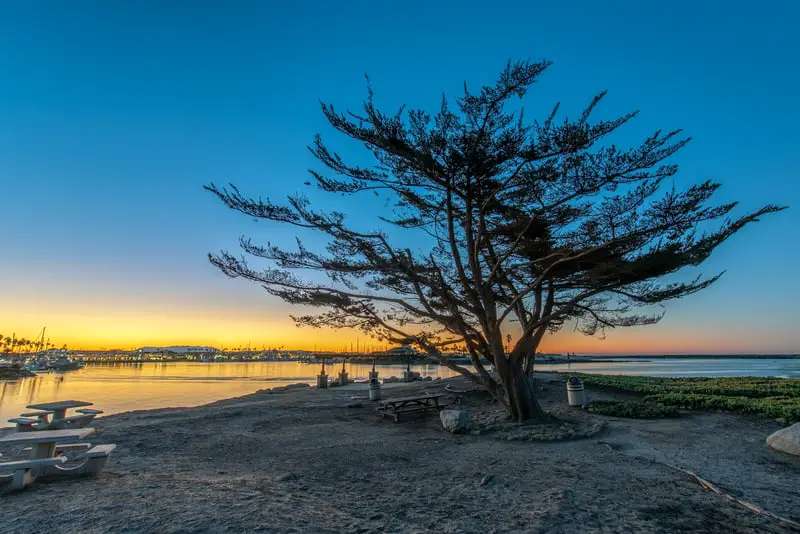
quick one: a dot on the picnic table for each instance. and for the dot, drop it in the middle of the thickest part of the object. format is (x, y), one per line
(44, 442)
(46, 456)
(405, 405)
(59, 408)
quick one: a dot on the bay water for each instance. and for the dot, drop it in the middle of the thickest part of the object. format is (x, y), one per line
(124, 387)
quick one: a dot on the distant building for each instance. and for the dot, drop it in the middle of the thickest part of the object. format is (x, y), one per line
(179, 349)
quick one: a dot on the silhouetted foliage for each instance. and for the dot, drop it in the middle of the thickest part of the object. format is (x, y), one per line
(531, 221)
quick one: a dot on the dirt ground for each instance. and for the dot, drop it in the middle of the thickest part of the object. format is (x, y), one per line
(312, 461)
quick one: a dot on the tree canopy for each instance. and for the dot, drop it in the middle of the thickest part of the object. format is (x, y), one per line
(532, 221)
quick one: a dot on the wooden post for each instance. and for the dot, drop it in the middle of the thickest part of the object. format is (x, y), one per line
(373, 375)
(322, 378)
(407, 376)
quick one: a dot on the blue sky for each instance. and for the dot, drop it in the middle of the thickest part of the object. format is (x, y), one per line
(114, 114)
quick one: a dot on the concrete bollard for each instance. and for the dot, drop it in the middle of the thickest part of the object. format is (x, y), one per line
(343, 378)
(322, 381)
(373, 375)
(374, 390)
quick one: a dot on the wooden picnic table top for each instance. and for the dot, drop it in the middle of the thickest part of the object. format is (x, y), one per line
(412, 399)
(59, 405)
(45, 436)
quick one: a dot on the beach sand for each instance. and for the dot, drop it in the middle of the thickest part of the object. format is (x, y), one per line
(322, 461)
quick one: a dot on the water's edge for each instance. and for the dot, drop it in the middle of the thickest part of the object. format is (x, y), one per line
(125, 387)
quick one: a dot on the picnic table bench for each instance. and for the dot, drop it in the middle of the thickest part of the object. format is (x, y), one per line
(407, 405)
(24, 471)
(60, 420)
(24, 424)
(46, 456)
(42, 415)
(65, 447)
(89, 411)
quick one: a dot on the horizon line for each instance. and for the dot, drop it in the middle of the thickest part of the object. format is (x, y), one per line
(286, 349)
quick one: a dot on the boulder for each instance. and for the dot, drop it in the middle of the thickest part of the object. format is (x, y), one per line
(454, 420)
(786, 440)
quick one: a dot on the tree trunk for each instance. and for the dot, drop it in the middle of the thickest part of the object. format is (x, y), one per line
(521, 394)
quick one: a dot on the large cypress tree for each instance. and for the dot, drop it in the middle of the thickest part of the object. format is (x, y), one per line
(535, 222)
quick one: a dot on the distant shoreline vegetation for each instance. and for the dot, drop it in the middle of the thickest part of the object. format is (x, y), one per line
(385, 358)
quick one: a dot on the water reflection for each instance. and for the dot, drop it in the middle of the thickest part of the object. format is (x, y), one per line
(120, 387)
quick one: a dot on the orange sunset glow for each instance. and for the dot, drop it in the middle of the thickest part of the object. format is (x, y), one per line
(93, 327)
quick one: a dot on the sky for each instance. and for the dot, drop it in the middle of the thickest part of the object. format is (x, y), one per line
(114, 114)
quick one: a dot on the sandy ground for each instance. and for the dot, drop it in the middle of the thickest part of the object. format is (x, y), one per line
(322, 461)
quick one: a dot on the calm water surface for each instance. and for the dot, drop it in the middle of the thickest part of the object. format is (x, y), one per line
(125, 387)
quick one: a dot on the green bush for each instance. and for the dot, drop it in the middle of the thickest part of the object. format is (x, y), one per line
(632, 409)
(777, 398)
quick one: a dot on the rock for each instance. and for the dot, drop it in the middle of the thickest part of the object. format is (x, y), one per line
(454, 420)
(786, 440)
(285, 477)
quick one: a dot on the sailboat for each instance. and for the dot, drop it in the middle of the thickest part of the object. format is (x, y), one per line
(51, 359)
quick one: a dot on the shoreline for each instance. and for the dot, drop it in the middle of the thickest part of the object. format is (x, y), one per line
(361, 360)
(181, 384)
